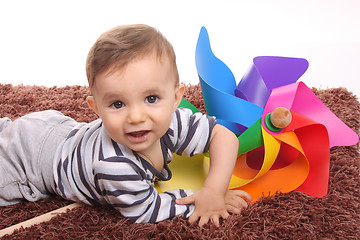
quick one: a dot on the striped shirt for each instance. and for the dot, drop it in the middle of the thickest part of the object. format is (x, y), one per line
(94, 169)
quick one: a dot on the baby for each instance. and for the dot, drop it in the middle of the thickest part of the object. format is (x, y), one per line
(135, 91)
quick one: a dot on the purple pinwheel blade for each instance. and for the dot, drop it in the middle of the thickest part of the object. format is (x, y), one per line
(267, 73)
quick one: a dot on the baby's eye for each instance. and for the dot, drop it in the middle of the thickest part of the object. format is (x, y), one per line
(117, 104)
(151, 99)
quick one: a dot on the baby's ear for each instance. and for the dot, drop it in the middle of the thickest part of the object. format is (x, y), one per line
(91, 101)
(179, 92)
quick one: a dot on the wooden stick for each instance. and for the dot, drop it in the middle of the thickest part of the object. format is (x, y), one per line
(39, 219)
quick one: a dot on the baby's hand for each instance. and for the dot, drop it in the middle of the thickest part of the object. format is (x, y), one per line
(209, 205)
(236, 200)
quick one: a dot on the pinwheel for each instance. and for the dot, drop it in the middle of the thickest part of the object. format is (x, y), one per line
(273, 157)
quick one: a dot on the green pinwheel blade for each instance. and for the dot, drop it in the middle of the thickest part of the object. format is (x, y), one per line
(186, 104)
(251, 138)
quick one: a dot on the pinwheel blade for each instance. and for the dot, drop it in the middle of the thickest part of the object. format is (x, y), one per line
(267, 73)
(299, 98)
(218, 87)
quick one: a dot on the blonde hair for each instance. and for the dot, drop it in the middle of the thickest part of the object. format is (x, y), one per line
(117, 47)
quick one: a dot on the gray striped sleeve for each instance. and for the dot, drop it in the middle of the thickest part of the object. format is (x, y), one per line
(191, 132)
(135, 197)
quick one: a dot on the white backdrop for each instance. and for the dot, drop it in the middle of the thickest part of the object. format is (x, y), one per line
(46, 42)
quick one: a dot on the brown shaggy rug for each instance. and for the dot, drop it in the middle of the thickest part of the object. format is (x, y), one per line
(283, 216)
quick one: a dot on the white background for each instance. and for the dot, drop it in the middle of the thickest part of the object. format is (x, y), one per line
(46, 42)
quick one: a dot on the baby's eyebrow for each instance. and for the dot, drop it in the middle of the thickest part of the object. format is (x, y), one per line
(154, 91)
(110, 96)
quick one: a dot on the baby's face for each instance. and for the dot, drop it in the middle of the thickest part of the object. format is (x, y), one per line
(136, 103)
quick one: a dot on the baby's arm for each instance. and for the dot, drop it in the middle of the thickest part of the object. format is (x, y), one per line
(210, 202)
(125, 186)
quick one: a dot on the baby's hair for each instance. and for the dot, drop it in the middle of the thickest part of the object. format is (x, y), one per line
(120, 45)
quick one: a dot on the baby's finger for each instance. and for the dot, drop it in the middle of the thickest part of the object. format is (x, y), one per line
(193, 217)
(244, 195)
(241, 203)
(186, 200)
(215, 221)
(203, 220)
(225, 214)
(237, 202)
(232, 209)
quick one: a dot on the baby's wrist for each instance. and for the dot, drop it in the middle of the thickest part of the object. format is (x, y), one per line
(215, 189)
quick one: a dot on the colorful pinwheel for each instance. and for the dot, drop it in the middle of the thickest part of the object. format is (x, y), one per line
(272, 159)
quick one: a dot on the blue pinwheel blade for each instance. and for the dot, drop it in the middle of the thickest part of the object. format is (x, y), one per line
(218, 86)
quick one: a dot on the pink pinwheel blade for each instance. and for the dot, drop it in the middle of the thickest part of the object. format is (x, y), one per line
(298, 97)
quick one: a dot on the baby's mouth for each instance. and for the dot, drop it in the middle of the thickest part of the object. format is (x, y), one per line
(138, 136)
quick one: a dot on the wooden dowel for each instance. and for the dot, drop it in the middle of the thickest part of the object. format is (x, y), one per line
(39, 219)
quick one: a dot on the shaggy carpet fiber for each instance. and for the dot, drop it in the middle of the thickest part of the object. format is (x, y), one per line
(283, 216)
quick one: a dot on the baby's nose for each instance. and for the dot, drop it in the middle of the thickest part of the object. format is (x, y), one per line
(136, 115)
